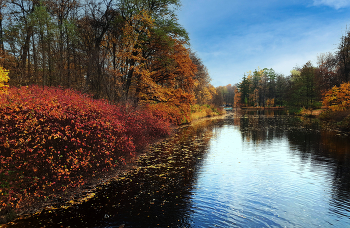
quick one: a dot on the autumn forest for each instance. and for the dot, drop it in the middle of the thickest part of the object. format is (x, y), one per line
(86, 85)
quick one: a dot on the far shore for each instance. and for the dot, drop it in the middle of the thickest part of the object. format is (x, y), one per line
(262, 108)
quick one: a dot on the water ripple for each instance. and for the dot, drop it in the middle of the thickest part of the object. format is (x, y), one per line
(270, 184)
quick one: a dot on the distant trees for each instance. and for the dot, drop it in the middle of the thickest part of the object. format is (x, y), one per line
(224, 95)
(266, 88)
(259, 88)
(237, 99)
(282, 84)
(333, 69)
(343, 58)
(306, 86)
(326, 71)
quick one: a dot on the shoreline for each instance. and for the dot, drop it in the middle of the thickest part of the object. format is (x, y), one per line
(87, 191)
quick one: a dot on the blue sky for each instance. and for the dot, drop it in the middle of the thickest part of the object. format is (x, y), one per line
(235, 36)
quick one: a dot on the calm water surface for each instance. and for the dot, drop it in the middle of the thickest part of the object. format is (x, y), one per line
(246, 171)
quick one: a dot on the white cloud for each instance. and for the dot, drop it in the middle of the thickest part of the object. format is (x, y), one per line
(337, 4)
(233, 37)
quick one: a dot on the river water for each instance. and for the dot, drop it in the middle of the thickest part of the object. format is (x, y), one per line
(242, 171)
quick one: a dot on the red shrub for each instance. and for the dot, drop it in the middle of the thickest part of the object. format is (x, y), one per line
(51, 139)
(143, 126)
(169, 112)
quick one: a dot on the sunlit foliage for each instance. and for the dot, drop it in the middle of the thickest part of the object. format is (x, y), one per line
(201, 111)
(338, 98)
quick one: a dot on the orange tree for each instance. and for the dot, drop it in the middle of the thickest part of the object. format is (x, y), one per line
(338, 98)
(170, 80)
(154, 68)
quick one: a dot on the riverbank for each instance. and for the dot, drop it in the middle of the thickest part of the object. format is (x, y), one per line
(75, 196)
(140, 127)
(338, 121)
(153, 185)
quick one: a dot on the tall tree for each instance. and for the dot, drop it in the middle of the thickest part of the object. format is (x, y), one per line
(244, 90)
(282, 84)
(326, 72)
(343, 55)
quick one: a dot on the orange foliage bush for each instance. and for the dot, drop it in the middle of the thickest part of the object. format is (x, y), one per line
(52, 139)
(338, 98)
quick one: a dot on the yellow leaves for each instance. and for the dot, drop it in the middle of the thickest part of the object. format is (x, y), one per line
(151, 67)
(205, 93)
(270, 102)
(338, 98)
(4, 78)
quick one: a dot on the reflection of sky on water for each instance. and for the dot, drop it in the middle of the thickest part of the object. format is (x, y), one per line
(262, 178)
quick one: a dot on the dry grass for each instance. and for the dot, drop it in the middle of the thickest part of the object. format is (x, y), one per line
(198, 115)
(203, 111)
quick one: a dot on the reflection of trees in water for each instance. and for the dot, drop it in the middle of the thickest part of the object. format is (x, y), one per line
(323, 149)
(326, 149)
(155, 194)
(259, 128)
(256, 127)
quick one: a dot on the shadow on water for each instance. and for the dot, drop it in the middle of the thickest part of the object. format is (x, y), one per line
(154, 194)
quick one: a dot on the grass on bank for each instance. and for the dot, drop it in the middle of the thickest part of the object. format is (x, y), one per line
(202, 111)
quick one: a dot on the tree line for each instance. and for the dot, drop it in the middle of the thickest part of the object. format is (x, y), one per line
(120, 50)
(306, 86)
